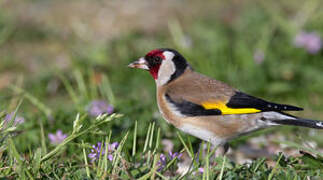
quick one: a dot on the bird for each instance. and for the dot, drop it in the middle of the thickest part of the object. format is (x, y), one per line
(210, 109)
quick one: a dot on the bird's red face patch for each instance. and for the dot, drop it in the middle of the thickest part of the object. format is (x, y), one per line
(154, 59)
(155, 52)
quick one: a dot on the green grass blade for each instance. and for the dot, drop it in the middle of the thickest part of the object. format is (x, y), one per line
(85, 161)
(42, 136)
(206, 173)
(147, 138)
(151, 135)
(222, 168)
(106, 90)
(146, 176)
(117, 154)
(191, 154)
(161, 176)
(107, 141)
(100, 120)
(36, 161)
(93, 85)
(14, 153)
(134, 144)
(157, 141)
(36, 102)
(69, 88)
(81, 84)
(275, 168)
(99, 170)
(154, 166)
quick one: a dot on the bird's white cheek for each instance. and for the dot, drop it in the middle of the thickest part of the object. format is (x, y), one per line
(166, 70)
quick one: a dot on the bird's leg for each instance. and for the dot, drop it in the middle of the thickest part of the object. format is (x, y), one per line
(222, 149)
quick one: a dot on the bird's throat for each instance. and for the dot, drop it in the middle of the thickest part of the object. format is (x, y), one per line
(154, 71)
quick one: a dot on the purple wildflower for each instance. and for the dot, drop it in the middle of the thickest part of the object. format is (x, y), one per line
(163, 159)
(18, 120)
(174, 155)
(162, 162)
(98, 150)
(110, 157)
(98, 107)
(113, 146)
(310, 41)
(259, 56)
(201, 170)
(57, 138)
(95, 152)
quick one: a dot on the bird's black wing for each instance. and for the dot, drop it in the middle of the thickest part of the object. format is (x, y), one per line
(242, 100)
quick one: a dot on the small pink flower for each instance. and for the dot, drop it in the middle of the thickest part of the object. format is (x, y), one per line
(57, 138)
(201, 170)
(162, 162)
(98, 150)
(18, 119)
(174, 155)
(98, 107)
(110, 157)
(310, 41)
(113, 146)
(163, 159)
(259, 56)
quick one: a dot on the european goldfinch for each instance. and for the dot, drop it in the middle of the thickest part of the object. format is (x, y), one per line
(210, 109)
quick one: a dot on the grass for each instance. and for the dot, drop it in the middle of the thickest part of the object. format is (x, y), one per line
(221, 45)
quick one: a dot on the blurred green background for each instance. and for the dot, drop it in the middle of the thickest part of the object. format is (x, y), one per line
(248, 44)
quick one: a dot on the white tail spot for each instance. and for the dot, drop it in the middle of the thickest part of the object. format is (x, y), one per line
(320, 124)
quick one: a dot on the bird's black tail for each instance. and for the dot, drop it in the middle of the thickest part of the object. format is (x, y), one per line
(300, 122)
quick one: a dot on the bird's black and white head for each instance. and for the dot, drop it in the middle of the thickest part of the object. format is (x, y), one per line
(164, 65)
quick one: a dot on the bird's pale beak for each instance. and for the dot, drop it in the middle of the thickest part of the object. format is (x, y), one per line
(140, 64)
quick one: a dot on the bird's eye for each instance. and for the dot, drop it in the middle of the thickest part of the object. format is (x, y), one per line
(153, 61)
(157, 59)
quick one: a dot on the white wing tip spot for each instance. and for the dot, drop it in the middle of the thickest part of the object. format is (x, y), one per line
(320, 124)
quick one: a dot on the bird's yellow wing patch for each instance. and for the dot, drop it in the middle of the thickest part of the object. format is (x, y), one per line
(226, 110)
